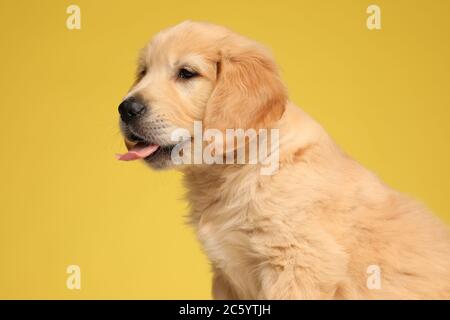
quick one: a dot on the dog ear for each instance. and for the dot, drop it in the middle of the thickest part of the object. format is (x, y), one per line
(248, 93)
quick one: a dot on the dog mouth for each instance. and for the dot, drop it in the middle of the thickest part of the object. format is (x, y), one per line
(139, 148)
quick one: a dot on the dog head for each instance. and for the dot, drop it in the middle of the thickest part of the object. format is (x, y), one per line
(198, 72)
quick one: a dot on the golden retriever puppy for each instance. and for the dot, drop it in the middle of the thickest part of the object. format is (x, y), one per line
(320, 226)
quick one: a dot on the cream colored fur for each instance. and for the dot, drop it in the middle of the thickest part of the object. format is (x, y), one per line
(311, 230)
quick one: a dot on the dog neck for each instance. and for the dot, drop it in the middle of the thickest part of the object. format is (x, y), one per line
(235, 186)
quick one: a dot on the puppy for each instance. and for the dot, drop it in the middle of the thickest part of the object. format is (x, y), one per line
(319, 227)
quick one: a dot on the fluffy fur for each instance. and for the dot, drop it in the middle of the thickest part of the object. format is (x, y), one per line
(311, 230)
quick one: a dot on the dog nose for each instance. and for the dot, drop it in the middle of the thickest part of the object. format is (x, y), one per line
(131, 109)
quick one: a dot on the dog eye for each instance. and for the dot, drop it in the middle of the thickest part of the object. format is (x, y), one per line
(184, 73)
(142, 73)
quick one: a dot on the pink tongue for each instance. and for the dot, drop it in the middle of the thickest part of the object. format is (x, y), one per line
(138, 152)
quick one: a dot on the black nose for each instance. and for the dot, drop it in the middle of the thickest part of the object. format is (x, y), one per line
(131, 109)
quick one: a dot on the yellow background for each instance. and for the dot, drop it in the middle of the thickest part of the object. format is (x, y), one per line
(383, 95)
